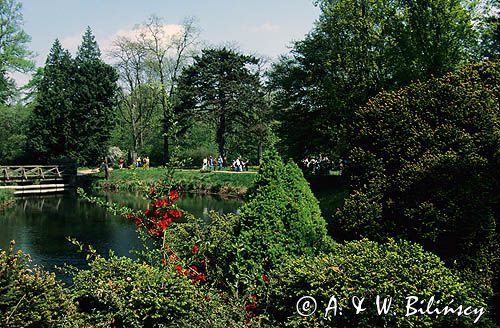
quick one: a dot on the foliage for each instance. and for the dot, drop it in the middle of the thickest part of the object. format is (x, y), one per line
(13, 126)
(119, 291)
(29, 296)
(6, 198)
(73, 111)
(222, 87)
(356, 49)
(490, 28)
(197, 143)
(425, 168)
(365, 269)
(280, 218)
(14, 54)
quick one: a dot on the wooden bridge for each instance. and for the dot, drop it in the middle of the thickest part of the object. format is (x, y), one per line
(37, 179)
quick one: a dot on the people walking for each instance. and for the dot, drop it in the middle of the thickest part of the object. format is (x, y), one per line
(220, 162)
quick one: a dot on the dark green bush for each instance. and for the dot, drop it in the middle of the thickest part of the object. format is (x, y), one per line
(31, 297)
(425, 168)
(367, 269)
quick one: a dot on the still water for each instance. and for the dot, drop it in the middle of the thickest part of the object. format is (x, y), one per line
(40, 226)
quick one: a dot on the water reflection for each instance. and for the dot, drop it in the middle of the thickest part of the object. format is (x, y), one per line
(40, 225)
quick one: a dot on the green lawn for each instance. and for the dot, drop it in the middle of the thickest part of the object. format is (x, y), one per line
(225, 182)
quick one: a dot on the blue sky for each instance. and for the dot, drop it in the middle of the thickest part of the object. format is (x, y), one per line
(257, 26)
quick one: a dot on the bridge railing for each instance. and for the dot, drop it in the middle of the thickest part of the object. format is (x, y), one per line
(21, 173)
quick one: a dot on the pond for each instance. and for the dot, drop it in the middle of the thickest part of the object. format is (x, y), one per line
(40, 225)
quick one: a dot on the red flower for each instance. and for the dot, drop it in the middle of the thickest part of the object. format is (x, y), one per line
(265, 278)
(159, 203)
(195, 249)
(151, 191)
(163, 262)
(250, 307)
(147, 213)
(163, 225)
(178, 269)
(174, 195)
(175, 213)
(138, 222)
(199, 277)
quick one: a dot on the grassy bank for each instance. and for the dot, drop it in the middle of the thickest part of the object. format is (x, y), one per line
(226, 183)
(6, 198)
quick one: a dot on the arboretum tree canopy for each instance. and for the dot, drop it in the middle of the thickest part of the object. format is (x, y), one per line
(356, 49)
(425, 165)
(73, 114)
(14, 54)
(222, 87)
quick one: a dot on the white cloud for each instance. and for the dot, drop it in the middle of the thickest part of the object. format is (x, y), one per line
(167, 31)
(72, 42)
(265, 28)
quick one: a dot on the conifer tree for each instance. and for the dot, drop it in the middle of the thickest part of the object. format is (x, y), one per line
(94, 100)
(49, 135)
(73, 115)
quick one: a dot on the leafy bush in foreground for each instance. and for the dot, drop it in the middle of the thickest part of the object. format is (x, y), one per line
(367, 269)
(31, 297)
(126, 293)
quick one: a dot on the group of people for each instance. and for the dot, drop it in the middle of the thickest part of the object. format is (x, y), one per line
(210, 162)
(142, 162)
(320, 165)
(139, 162)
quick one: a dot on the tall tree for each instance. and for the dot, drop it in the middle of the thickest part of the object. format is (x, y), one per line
(356, 49)
(73, 113)
(49, 134)
(490, 36)
(94, 100)
(222, 87)
(141, 94)
(167, 54)
(14, 54)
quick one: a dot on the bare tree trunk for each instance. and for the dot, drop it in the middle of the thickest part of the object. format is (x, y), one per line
(221, 138)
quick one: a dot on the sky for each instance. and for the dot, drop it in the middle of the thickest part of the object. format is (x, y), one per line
(259, 27)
